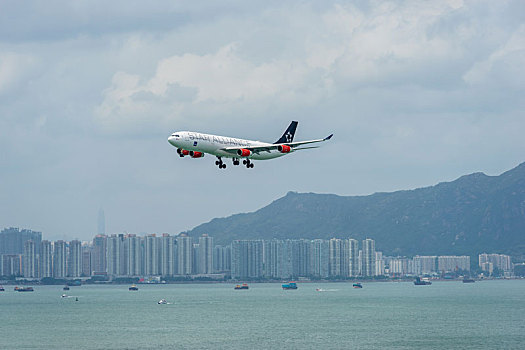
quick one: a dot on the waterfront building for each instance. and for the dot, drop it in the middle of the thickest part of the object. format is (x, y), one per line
(222, 258)
(369, 258)
(425, 264)
(46, 259)
(337, 258)
(59, 259)
(86, 260)
(98, 257)
(501, 261)
(274, 259)
(167, 266)
(11, 265)
(74, 265)
(134, 258)
(185, 254)
(353, 257)
(205, 254)
(453, 263)
(12, 240)
(114, 255)
(379, 264)
(151, 257)
(30, 260)
(319, 258)
(247, 259)
(299, 257)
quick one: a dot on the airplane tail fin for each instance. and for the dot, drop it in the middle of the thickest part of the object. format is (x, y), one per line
(288, 134)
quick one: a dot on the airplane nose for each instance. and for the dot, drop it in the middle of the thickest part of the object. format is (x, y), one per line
(171, 139)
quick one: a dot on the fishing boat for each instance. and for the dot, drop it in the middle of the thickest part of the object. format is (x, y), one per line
(468, 280)
(24, 289)
(2, 288)
(66, 287)
(420, 282)
(357, 285)
(289, 285)
(133, 287)
(241, 286)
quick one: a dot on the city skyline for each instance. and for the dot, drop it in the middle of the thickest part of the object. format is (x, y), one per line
(119, 255)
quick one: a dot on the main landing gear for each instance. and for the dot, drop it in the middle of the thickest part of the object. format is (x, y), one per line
(220, 164)
(247, 163)
(236, 161)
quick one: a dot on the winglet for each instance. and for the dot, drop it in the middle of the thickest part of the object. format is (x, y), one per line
(328, 137)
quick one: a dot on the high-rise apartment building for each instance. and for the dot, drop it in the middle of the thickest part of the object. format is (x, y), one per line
(151, 255)
(369, 258)
(46, 259)
(74, 266)
(30, 261)
(319, 258)
(167, 266)
(247, 259)
(353, 257)
(337, 257)
(114, 255)
(185, 254)
(453, 263)
(59, 259)
(99, 254)
(134, 258)
(425, 264)
(501, 261)
(205, 254)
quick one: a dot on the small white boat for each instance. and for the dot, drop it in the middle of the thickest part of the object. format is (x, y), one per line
(162, 301)
(64, 295)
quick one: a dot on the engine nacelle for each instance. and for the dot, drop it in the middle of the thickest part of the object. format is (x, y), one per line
(244, 152)
(182, 152)
(284, 148)
(195, 154)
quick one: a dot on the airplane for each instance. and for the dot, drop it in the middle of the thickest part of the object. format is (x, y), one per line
(195, 145)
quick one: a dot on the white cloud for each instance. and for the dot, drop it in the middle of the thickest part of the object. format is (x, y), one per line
(14, 69)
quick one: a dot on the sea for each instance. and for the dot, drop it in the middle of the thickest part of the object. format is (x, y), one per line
(382, 315)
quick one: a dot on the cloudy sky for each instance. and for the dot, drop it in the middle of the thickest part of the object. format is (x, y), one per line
(416, 93)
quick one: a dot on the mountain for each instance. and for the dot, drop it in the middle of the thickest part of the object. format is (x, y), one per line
(473, 214)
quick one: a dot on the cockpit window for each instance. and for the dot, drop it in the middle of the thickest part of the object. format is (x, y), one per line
(177, 135)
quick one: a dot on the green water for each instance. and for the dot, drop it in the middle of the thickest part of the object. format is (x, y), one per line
(445, 315)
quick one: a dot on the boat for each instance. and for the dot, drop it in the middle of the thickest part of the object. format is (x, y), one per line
(66, 287)
(76, 299)
(357, 285)
(289, 285)
(24, 289)
(468, 280)
(2, 288)
(64, 295)
(241, 286)
(420, 282)
(133, 287)
(162, 302)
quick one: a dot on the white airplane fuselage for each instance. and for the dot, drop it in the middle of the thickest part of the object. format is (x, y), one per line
(215, 144)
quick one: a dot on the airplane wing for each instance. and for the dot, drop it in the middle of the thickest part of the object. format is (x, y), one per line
(270, 147)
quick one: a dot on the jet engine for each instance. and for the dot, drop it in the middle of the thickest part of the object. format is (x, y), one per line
(284, 148)
(195, 154)
(182, 152)
(244, 152)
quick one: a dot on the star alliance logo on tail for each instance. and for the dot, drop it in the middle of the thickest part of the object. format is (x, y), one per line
(288, 136)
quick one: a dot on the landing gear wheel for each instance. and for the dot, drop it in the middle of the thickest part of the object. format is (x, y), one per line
(217, 162)
(244, 161)
(251, 165)
(223, 166)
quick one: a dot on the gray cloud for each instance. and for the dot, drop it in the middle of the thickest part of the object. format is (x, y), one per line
(416, 93)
